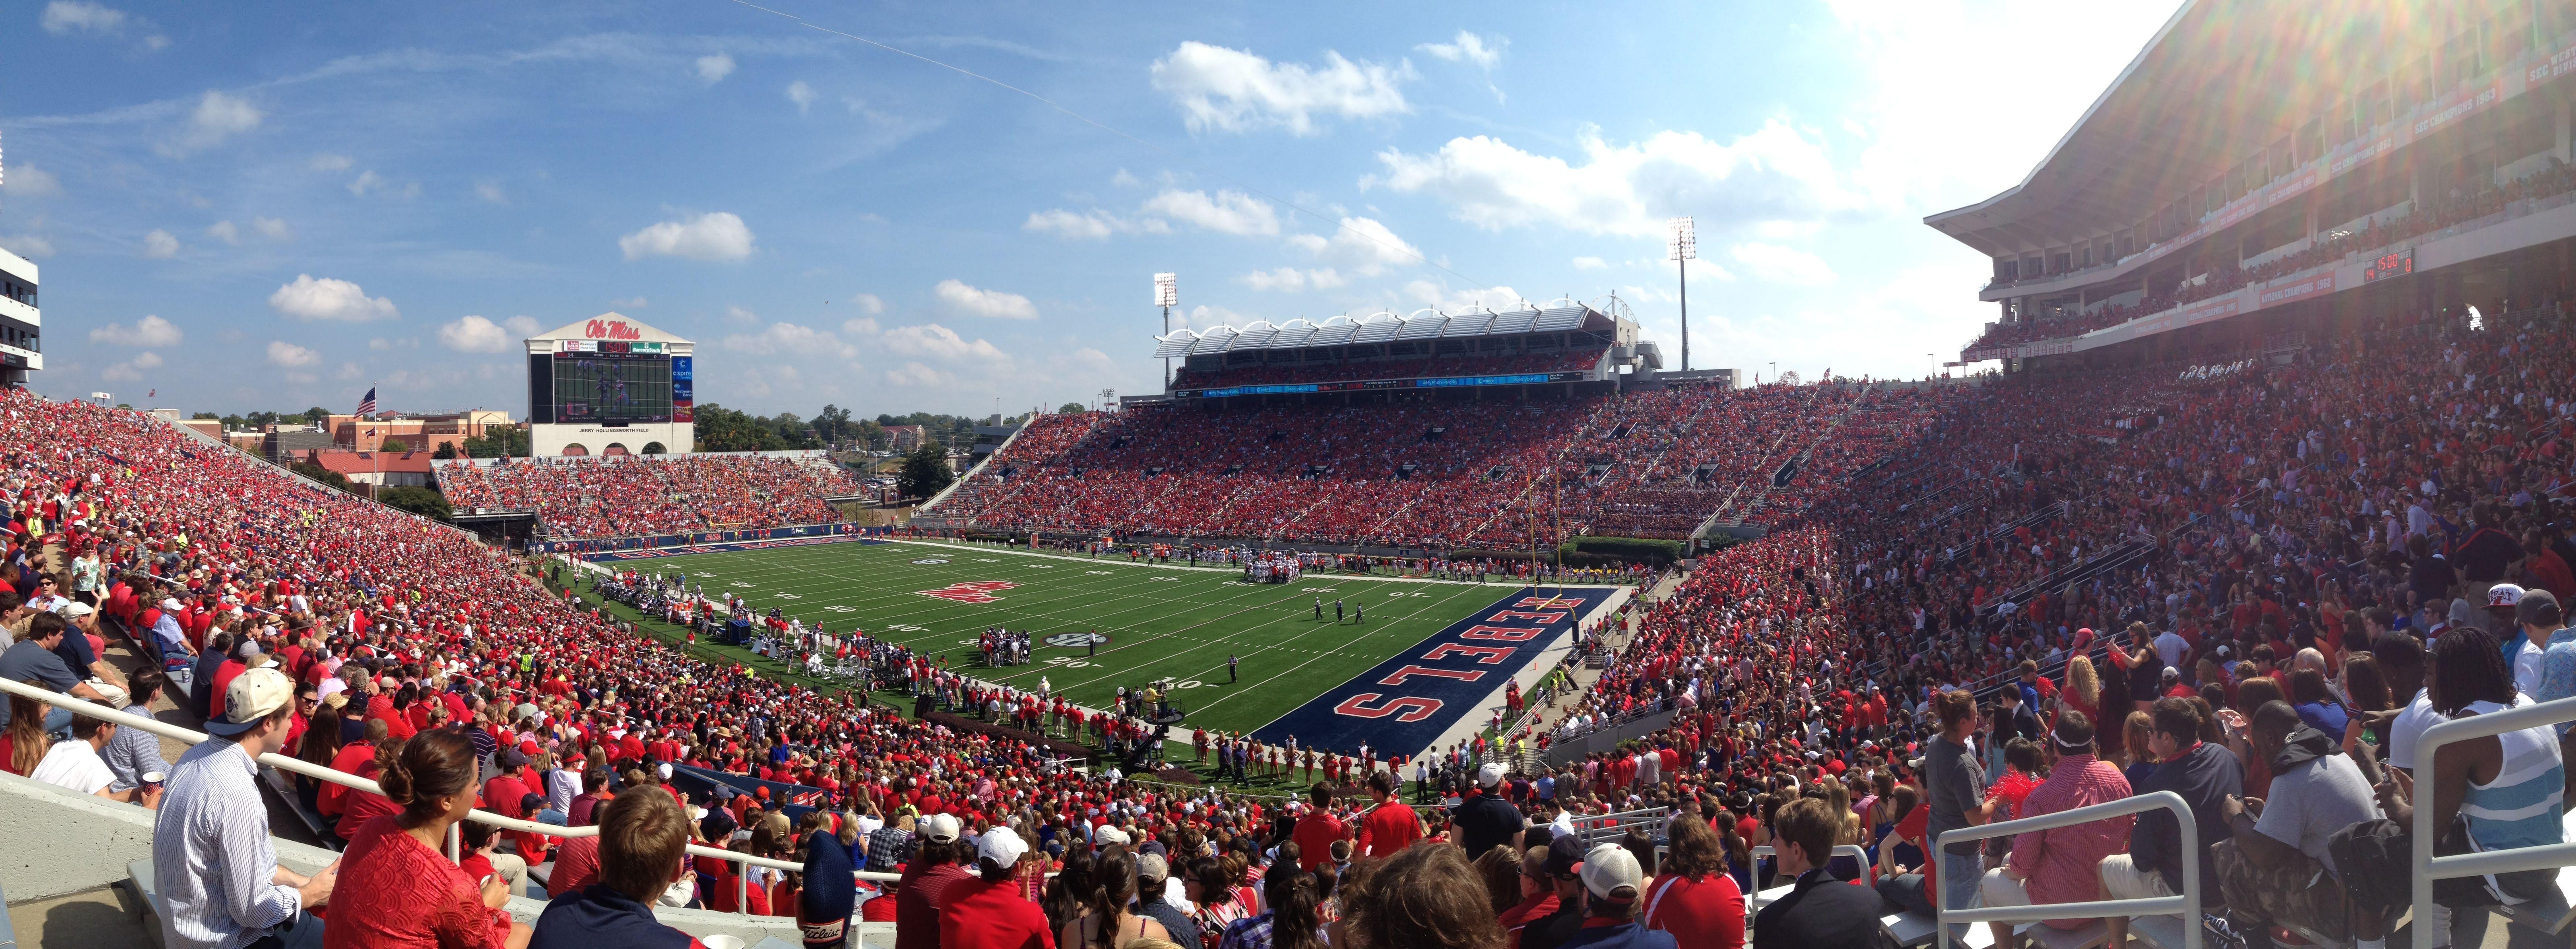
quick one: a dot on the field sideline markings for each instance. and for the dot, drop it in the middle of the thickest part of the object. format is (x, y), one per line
(1237, 569)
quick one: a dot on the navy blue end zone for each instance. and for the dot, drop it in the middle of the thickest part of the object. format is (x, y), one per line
(726, 548)
(1409, 701)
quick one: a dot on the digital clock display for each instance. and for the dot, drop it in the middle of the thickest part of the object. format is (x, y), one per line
(2389, 265)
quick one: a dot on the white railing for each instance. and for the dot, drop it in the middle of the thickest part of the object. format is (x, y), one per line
(78, 706)
(2187, 905)
(2428, 867)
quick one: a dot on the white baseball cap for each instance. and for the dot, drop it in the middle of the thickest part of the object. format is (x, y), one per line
(940, 828)
(2503, 595)
(1110, 834)
(1610, 868)
(1490, 774)
(251, 697)
(1001, 847)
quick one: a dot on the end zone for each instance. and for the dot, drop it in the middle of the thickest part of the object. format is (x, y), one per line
(1435, 691)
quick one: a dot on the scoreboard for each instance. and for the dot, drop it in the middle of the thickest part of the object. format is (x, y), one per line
(610, 383)
(2389, 265)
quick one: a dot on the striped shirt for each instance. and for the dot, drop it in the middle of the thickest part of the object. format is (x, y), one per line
(2523, 806)
(212, 861)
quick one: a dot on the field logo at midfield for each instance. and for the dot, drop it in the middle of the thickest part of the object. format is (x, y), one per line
(971, 591)
(1075, 640)
(1413, 697)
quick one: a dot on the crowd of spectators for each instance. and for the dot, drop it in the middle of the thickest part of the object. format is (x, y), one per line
(645, 495)
(2255, 589)
(1423, 368)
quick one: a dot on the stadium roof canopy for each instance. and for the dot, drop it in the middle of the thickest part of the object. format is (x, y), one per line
(607, 326)
(1382, 328)
(2221, 80)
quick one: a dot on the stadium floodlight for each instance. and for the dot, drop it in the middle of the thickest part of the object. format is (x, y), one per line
(1685, 248)
(1167, 294)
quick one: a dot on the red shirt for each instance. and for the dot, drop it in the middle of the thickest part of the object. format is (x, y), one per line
(398, 893)
(1703, 913)
(984, 915)
(1388, 828)
(576, 866)
(1314, 836)
(920, 900)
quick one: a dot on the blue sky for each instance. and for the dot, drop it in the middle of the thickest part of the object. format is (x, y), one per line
(260, 206)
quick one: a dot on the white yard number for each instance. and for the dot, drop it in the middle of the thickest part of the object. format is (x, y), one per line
(986, 560)
(1070, 662)
(901, 628)
(791, 596)
(742, 585)
(1408, 594)
(1043, 566)
(838, 608)
(1322, 590)
(1188, 684)
(1165, 579)
(1099, 573)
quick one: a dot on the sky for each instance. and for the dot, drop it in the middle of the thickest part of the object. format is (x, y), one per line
(902, 207)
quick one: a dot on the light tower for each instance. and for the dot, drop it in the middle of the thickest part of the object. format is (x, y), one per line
(1685, 248)
(1167, 294)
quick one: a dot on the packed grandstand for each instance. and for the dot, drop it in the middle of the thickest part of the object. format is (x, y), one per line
(2247, 563)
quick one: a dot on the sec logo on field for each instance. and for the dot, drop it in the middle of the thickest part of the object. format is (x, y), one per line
(1075, 640)
(931, 561)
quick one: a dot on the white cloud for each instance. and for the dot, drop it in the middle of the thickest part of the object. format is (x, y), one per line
(1090, 225)
(366, 181)
(29, 181)
(1435, 296)
(1782, 264)
(913, 374)
(1361, 244)
(272, 228)
(1293, 279)
(65, 16)
(216, 117)
(740, 315)
(868, 303)
(1124, 180)
(490, 191)
(939, 342)
(996, 304)
(790, 339)
(150, 331)
(329, 299)
(132, 370)
(474, 334)
(717, 235)
(1228, 212)
(348, 372)
(1588, 262)
(27, 245)
(1234, 91)
(160, 245)
(226, 232)
(1470, 48)
(801, 94)
(329, 162)
(1776, 173)
(1204, 317)
(380, 344)
(287, 355)
(521, 327)
(713, 69)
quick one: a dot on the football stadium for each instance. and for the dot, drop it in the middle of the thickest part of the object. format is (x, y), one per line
(2212, 591)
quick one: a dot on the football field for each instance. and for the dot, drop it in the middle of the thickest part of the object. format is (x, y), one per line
(1160, 622)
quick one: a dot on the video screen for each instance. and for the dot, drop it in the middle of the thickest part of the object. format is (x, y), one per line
(612, 388)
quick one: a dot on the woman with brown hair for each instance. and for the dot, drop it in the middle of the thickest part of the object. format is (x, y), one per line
(1694, 898)
(1421, 898)
(1500, 869)
(396, 886)
(25, 744)
(1108, 924)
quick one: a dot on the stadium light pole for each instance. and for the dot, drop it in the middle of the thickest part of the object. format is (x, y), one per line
(1685, 248)
(1167, 294)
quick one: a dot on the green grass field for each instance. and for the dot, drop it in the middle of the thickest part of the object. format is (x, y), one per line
(1161, 622)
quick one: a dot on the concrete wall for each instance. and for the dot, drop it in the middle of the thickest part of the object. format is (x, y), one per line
(54, 843)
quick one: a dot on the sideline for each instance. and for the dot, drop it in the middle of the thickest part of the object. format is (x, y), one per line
(1239, 570)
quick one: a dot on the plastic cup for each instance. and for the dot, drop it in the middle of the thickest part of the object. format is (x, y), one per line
(152, 780)
(721, 941)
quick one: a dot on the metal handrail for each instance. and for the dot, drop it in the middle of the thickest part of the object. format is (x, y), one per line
(80, 706)
(2429, 867)
(2187, 905)
(1853, 851)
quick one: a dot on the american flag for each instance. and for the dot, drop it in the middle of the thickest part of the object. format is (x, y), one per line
(367, 405)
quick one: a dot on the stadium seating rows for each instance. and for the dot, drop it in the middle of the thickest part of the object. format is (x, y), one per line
(642, 495)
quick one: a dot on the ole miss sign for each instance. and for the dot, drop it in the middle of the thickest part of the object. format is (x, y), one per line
(972, 591)
(611, 329)
(1405, 703)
